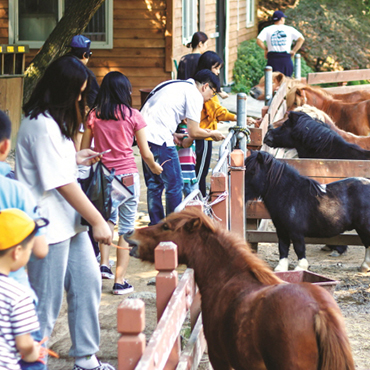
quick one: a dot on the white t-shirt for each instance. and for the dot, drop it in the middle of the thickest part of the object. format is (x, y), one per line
(168, 107)
(279, 38)
(46, 160)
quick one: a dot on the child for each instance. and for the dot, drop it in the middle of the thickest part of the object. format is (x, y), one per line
(13, 194)
(46, 160)
(113, 124)
(212, 113)
(18, 317)
(186, 152)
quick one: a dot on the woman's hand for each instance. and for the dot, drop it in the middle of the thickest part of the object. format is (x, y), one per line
(84, 157)
(102, 233)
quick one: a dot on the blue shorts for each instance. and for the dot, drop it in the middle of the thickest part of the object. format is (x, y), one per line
(127, 210)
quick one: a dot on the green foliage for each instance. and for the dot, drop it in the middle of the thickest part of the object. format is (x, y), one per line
(336, 33)
(250, 65)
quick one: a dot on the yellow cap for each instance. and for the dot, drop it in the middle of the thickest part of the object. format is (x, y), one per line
(16, 226)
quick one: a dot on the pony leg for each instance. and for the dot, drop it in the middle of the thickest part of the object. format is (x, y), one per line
(284, 243)
(365, 266)
(300, 250)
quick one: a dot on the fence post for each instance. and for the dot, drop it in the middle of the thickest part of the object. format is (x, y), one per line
(297, 66)
(130, 323)
(268, 85)
(165, 259)
(241, 113)
(237, 206)
(219, 186)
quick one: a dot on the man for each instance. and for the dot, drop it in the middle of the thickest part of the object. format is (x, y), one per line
(80, 48)
(173, 102)
(279, 38)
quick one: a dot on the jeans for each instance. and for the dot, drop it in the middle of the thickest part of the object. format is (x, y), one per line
(128, 209)
(170, 179)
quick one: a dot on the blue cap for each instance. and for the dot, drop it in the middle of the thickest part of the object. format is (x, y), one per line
(80, 42)
(278, 15)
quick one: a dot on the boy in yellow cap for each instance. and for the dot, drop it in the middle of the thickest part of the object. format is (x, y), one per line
(18, 317)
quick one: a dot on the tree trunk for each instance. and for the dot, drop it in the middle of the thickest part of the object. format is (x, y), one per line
(74, 21)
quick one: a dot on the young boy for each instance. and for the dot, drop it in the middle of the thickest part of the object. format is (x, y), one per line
(14, 194)
(18, 317)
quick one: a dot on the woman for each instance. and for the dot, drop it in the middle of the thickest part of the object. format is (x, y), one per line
(113, 124)
(212, 113)
(188, 63)
(46, 161)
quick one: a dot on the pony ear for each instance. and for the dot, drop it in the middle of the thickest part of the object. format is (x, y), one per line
(280, 77)
(259, 157)
(299, 92)
(195, 223)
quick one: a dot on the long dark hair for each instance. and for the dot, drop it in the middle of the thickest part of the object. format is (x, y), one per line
(208, 60)
(57, 93)
(197, 38)
(114, 93)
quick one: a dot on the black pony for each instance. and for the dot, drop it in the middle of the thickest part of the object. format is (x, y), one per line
(312, 139)
(301, 207)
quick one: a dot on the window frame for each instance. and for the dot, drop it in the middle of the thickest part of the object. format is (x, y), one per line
(250, 14)
(14, 26)
(189, 20)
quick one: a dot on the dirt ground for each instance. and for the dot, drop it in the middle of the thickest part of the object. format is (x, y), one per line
(352, 295)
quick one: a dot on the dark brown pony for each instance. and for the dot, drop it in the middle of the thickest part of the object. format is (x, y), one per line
(349, 116)
(252, 320)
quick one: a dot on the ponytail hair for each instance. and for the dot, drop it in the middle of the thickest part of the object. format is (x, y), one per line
(197, 38)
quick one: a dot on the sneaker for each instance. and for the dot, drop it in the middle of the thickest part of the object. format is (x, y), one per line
(102, 366)
(124, 288)
(106, 272)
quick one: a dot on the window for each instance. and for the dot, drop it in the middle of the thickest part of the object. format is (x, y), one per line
(189, 20)
(250, 13)
(32, 21)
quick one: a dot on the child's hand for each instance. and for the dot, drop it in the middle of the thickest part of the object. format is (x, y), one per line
(34, 355)
(177, 138)
(82, 157)
(223, 95)
(157, 169)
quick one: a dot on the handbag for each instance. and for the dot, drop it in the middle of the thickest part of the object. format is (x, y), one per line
(98, 188)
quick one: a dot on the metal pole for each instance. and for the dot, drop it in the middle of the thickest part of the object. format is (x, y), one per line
(297, 66)
(241, 109)
(268, 85)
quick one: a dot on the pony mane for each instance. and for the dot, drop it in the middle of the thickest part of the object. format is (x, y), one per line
(315, 135)
(193, 219)
(318, 90)
(276, 170)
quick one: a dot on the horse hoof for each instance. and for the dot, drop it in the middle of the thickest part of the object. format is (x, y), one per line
(364, 268)
(302, 265)
(282, 266)
(335, 254)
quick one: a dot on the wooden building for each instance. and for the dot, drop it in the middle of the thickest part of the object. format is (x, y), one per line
(140, 38)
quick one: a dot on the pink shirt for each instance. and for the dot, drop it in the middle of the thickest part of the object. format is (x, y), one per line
(117, 136)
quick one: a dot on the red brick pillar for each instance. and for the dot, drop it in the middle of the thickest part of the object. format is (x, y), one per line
(166, 262)
(130, 323)
(219, 185)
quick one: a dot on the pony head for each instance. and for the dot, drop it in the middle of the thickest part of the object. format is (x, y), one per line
(282, 135)
(178, 227)
(257, 172)
(258, 91)
(296, 97)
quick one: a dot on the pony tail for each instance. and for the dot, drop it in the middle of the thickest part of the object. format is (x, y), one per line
(188, 45)
(334, 348)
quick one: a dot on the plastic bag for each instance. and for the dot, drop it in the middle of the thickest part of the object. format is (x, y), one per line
(98, 188)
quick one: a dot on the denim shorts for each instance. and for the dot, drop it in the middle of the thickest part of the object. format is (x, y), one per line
(127, 210)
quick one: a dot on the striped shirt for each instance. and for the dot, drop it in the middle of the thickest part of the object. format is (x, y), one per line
(187, 158)
(17, 317)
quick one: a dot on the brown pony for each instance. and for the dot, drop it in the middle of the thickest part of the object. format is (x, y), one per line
(352, 117)
(252, 319)
(258, 91)
(361, 141)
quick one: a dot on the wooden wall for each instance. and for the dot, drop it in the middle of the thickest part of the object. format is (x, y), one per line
(143, 48)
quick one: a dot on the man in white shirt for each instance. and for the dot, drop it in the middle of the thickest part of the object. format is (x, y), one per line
(173, 102)
(279, 38)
